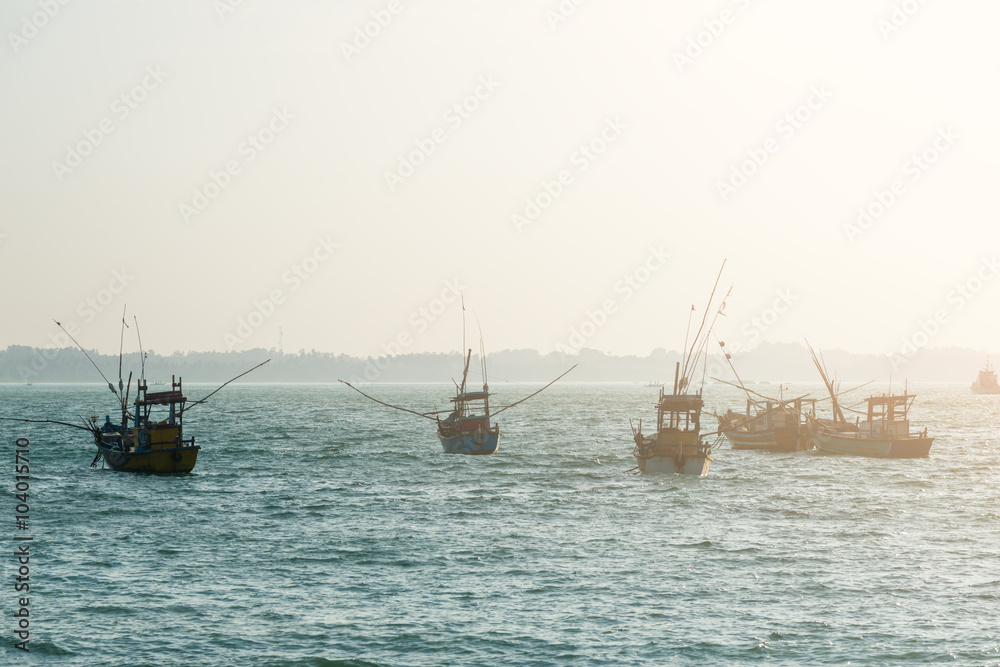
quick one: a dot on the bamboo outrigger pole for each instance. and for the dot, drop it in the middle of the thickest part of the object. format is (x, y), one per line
(389, 405)
(535, 394)
(199, 402)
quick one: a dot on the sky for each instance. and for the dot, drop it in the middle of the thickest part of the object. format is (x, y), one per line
(326, 176)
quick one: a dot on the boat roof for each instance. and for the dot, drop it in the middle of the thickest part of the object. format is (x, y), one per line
(894, 399)
(680, 402)
(471, 396)
(161, 398)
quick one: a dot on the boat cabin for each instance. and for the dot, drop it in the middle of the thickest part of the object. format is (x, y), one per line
(165, 433)
(678, 418)
(471, 412)
(887, 417)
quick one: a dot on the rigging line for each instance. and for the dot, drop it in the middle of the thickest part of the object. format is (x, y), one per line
(687, 333)
(535, 394)
(711, 327)
(708, 307)
(110, 386)
(185, 409)
(731, 366)
(394, 407)
(121, 349)
(47, 421)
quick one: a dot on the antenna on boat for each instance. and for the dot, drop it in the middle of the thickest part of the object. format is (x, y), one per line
(142, 355)
(199, 402)
(482, 353)
(121, 348)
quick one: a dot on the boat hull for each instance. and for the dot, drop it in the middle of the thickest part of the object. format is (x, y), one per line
(173, 460)
(659, 464)
(976, 389)
(774, 440)
(471, 444)
(854, 445)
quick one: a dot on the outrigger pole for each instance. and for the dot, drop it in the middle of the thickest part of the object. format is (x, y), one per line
(394, 407)
(199, 402)
(48, 421)
(110, 386)
(535, 394)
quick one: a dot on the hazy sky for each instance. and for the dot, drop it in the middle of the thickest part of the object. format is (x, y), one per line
(568, 167)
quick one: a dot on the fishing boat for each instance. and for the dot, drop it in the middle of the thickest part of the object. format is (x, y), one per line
(151, 444)
(986, 383)
(770, 425)
(677, 445)
(149, 435)
(468, 427)
(885, 433)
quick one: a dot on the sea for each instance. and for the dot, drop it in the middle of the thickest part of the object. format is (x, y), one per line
(322, 529)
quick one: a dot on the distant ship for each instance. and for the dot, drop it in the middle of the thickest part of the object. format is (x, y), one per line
(986, 383)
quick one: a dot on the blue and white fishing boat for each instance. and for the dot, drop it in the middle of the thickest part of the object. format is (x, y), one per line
(467, 429)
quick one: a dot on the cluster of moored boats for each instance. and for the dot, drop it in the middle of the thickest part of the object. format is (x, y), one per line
(149, 437)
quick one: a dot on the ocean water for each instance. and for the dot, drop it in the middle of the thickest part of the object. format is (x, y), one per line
(321, 529)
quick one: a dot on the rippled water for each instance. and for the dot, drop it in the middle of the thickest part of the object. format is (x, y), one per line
(320, 529)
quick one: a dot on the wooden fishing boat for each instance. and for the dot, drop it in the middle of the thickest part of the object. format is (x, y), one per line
(884, 433)
(986, 383)
(150, 445)
(677, 445)
(469, 427)
(154, 441)
(770, 425)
